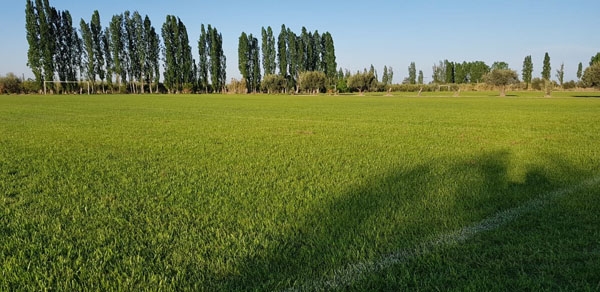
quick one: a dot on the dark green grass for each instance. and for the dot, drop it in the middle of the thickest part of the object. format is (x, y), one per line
(270, 192)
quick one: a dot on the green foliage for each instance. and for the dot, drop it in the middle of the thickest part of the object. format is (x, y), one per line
(177, 54)
(88, 52)
(282, 51)
(217, 59)
(269, 53)
(273, 83)
(502, 78)
(420, 78)
(249, 61)
(595, 59)
(500, 65)
(203, 65)
(362, 81)
(412, 73)
(591, 76)
(10, 84)
(312, 81)
(546, 69)
(449, 69)
(527, 71)
(560, 74)
(34, 52)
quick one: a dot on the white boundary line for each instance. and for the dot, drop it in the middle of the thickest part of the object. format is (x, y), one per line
(347, 275)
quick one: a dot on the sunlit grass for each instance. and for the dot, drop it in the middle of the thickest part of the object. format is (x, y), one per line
(222, 192)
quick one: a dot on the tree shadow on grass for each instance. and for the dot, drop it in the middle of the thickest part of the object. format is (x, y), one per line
(396, 211)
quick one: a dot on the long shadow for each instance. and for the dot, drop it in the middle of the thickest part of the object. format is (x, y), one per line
(394, 211)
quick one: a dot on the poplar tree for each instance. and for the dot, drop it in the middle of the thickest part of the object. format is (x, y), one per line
(117, 47)
(98, 58)
(420, 78)
(255, 63)
(244, 58)
(268, 49)
(579, 71)
(217, 59)
(169, 35)
(282, 51)
(546, 68)
(203, 60)
(527, 70)
(47, 41)
(88, 53)
(108, 58)
(412, 73)
(329, 60)
(152, 54)
(35, 52)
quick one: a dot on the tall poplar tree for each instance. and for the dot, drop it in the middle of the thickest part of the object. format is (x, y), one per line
(98, 60)
(203, 60)
(169, 35)
(579, 71)
(88, 53)
(329, 60)
(282, 51)
(117, 48)
(35, 51)
(244, 58)
(108, 58)
(269, 52)
(217, 59)
(546, 69)
(527, 70)
(47, 41)
(412, 73)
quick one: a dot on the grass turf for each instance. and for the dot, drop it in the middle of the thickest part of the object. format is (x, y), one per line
(226, 192)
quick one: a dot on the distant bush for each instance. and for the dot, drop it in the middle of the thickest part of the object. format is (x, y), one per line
(569, 85)
(10, 84)
(537, 83)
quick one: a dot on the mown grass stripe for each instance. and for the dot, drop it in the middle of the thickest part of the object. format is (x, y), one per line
(345, 276)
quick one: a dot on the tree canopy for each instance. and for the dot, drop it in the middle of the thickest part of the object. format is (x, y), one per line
(502, 78)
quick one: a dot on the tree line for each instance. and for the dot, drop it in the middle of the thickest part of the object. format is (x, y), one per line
(130, 55)
(125, 56)
(304, 61)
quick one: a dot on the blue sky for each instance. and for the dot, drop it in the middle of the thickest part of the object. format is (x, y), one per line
(392, 33)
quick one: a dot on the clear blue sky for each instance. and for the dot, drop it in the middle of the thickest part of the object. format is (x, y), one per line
(392, 33)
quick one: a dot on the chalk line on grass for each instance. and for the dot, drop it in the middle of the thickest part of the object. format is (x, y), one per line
(346, 275)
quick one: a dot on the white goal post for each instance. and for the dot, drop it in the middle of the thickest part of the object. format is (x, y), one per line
(71, 82)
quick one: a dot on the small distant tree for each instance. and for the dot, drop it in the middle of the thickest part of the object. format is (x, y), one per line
(273, 83)
(420, 78)
(579, 71)
(361, 81)
(312, 81)
(10, 84)
(502, 78)
(560, 74)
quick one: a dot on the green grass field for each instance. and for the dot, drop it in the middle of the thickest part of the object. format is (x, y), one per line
(268, 193)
